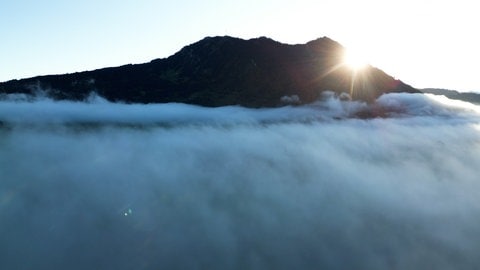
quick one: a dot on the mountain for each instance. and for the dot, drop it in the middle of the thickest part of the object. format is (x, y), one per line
(218, 71)
(452, 94)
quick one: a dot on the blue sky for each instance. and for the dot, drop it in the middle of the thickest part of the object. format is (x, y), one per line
(426, 44)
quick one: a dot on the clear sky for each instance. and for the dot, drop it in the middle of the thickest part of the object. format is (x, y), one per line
(424, 43)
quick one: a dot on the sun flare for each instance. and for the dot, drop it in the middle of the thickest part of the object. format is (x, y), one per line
(354, 60)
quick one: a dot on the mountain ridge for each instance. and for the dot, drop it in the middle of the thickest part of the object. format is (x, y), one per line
(471, 97)
(224, 70)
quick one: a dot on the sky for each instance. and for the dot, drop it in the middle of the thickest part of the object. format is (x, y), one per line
(423, 43)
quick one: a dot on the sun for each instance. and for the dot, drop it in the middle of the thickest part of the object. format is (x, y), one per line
(354, 60)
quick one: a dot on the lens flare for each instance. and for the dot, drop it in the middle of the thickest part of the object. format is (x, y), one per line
(354, 60)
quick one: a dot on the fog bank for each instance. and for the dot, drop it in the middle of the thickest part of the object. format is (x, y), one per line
(175, 186)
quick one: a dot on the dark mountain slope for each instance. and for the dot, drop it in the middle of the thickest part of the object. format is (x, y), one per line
(219, 71)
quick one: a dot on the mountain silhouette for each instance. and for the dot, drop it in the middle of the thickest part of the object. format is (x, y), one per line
(219, 71)
(471, 97)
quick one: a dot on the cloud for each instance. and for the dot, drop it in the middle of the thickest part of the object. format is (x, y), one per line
(179, 186)
(22, 109)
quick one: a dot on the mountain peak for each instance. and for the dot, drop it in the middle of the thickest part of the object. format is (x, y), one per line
(224, 70)
(324, 41)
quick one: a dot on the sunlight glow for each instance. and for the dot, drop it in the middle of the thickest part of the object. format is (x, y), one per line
(354, 60)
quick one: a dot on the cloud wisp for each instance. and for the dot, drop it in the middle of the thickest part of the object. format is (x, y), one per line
(236, 188)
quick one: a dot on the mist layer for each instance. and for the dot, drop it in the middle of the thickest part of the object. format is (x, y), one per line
(97, 185)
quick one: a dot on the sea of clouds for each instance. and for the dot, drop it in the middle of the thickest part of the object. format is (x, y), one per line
(100, 185)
